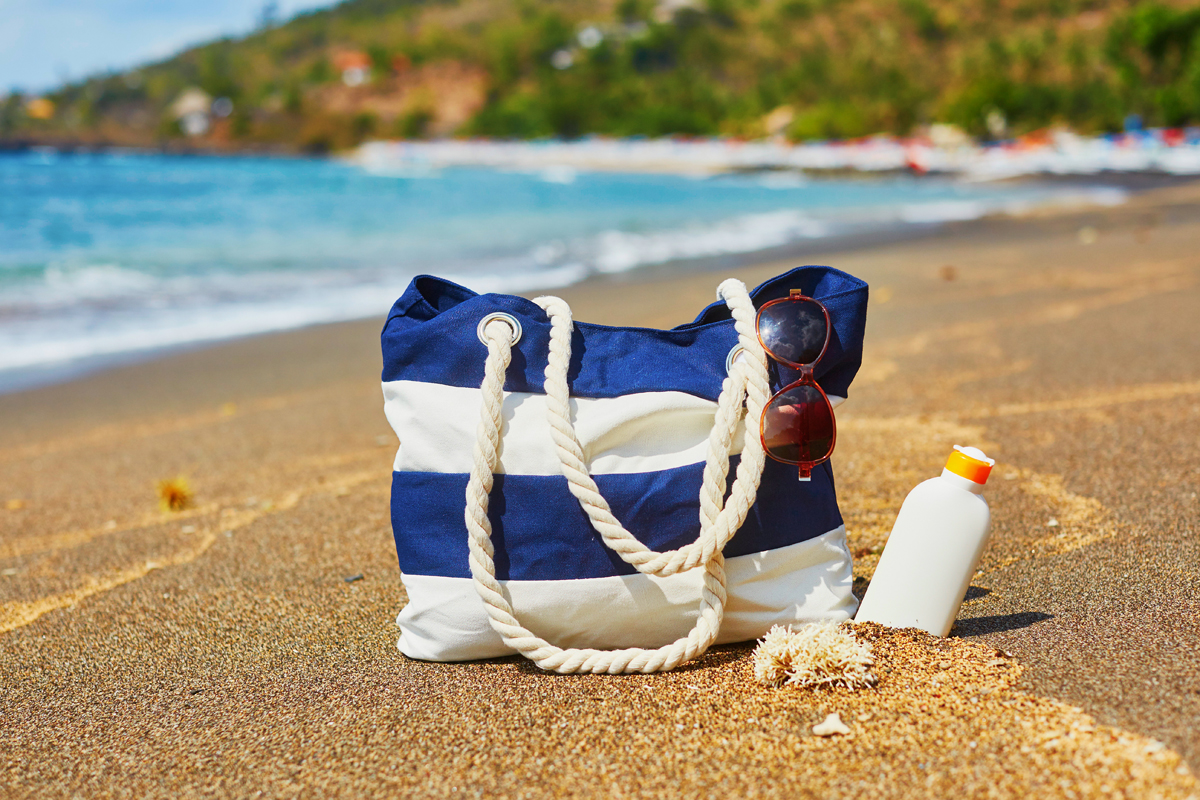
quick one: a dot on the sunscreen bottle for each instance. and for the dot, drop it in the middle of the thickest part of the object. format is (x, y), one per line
(933, 550)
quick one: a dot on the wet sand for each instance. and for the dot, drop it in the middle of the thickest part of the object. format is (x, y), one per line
(221, 650)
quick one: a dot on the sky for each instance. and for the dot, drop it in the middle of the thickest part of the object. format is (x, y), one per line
(44, 43)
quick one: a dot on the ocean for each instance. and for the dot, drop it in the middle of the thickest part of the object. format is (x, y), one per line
(111, 256)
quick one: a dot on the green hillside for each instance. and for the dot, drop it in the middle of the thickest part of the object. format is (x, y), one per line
(526, 68)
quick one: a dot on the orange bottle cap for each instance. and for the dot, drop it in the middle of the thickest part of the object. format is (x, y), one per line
(970, 463)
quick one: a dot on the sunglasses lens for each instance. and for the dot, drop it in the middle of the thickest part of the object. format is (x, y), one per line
(797, 426)
(794, 331)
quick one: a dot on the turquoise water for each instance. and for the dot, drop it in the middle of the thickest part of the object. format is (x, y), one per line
(103, 255)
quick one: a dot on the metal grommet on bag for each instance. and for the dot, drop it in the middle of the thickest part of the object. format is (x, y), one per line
(732, 357)
(509, 319)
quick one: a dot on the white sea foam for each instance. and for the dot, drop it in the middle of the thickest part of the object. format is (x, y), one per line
(556, 174)
(56, 339)
(554, 278)
(944, 211)
(94, 282)
(158, 314)
(620, 251)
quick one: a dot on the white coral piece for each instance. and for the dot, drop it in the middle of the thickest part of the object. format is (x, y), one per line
(818, 654)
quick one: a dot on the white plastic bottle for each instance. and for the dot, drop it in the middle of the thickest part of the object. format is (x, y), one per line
(934, 549)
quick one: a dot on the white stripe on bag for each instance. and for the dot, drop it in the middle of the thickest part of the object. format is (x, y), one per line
(640, 432)
(803, 582)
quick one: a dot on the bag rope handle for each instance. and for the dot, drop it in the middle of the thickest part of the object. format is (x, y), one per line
(714, 519)
(717, 524)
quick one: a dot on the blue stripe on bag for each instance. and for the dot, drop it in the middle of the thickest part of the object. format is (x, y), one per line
(430, 336)
(552, 539)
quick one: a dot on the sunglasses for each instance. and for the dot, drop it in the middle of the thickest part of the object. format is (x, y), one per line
(797, 424)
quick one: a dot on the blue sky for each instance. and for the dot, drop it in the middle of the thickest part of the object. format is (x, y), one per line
(46, 42)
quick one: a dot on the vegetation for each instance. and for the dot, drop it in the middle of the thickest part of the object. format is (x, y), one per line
(531, 68)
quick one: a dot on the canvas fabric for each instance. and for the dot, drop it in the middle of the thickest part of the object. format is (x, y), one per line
(643, 403)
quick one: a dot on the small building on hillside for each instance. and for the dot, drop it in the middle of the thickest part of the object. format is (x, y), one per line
(355, 67)
(191, 110)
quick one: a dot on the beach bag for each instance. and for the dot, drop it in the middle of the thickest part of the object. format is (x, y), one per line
(588, 495)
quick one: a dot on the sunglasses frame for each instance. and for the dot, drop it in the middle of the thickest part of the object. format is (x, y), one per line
(806, 379)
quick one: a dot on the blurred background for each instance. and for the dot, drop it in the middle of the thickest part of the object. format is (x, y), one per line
(297, 76)
(173, 173)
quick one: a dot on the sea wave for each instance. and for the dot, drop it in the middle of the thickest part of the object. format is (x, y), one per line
(620, 251)
(162, 313)
(81, 305)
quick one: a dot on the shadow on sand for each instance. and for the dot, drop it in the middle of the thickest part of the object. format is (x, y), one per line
(1000, 622)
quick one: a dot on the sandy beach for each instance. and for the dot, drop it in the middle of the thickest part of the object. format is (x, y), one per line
(246, 646)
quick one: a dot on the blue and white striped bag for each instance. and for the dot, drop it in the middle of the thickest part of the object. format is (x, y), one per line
(526, 569)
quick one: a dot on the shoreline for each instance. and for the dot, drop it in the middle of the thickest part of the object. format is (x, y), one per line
(58, 372)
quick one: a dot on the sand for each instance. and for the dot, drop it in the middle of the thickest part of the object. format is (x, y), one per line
(222, 651)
